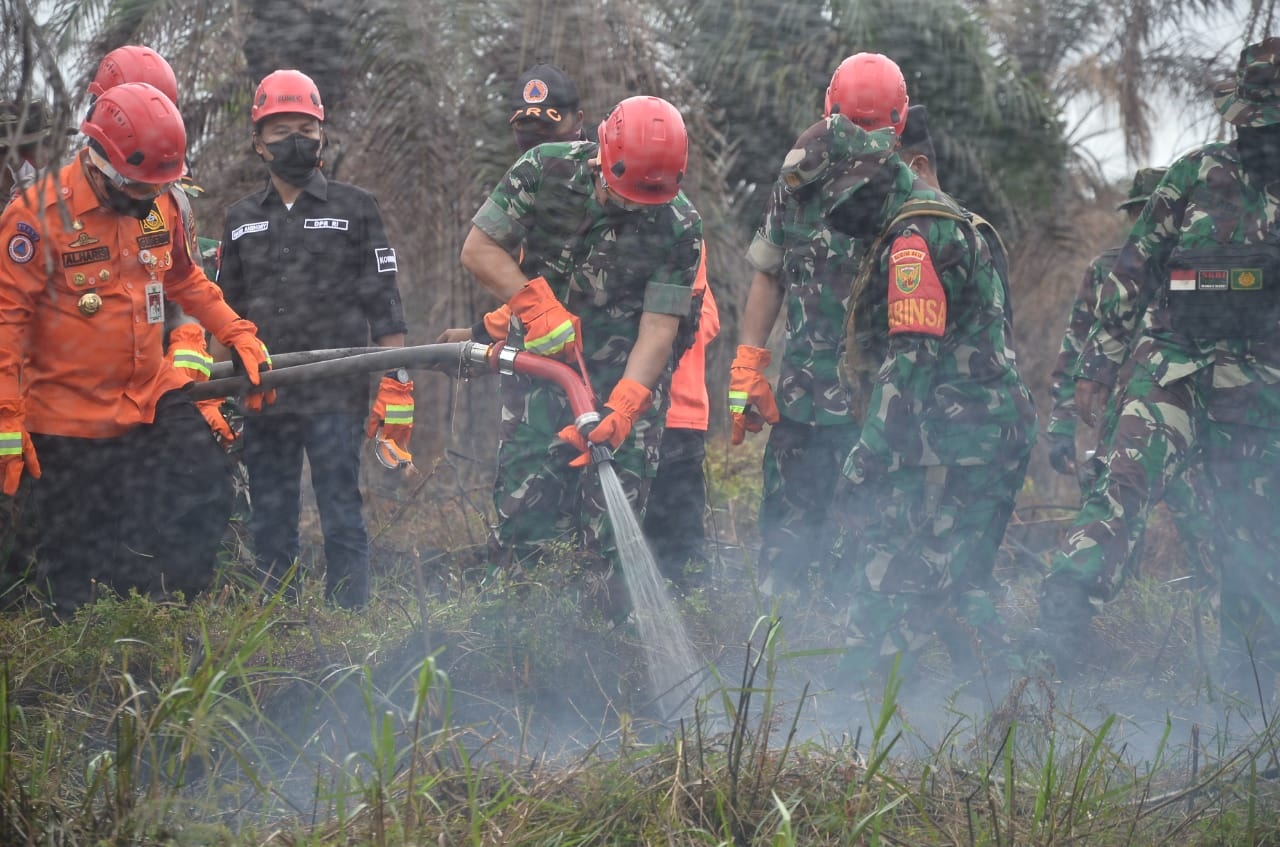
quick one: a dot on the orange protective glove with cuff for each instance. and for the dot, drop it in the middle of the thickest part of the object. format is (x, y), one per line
(751, 400)
(497, 323)
(392, 412)
(549, 328)
(211, 409)
(251, 354)
(627, 402)
(17, 453)
(189, 353)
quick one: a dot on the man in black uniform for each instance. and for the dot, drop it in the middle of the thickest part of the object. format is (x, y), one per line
(309, 259)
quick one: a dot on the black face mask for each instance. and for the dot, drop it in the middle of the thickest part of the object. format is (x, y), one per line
(126, 205)
(295, 158)
(1259, 148)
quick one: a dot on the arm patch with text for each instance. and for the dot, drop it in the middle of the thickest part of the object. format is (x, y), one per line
(917, 303)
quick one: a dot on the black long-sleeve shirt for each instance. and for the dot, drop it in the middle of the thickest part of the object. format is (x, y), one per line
(318, 275)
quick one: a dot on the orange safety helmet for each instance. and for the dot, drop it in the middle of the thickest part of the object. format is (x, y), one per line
(286, 91)
(869, 89)
(644, 150)
(134, 63)
(140, 132)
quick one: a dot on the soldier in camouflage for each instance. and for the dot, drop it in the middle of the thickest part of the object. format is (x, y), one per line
(1183, 491)
(949, 423)
(1203, 383)
(1061, 430)
(608, 247)
(804, 265)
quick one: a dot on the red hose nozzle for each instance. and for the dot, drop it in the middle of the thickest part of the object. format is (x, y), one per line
(582, 400)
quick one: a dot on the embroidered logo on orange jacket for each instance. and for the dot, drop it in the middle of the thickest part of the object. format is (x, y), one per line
(917, 302)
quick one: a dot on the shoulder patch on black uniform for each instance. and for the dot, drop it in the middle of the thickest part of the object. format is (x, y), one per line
(386, 257)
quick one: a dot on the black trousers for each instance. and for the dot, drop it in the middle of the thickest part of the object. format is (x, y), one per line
(673, 518)
(274, 445)
(144, 510)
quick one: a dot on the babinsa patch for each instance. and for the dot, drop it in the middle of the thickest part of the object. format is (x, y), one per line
(917, 302)
(85, 257)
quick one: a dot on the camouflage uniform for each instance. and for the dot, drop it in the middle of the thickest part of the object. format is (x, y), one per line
(814, 265)
(1204, 382)
(948, 428)
(607, 266)
(1183, 490)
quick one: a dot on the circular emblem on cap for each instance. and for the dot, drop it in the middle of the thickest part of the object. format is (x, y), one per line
(535, 91)
(21, 250)
(89, 304)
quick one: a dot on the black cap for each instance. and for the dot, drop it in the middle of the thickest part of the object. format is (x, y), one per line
(546, 94)
(917, 129)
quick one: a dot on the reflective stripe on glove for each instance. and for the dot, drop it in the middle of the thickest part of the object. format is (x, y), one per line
(17, 453)
(392, 412)
(627, 402)
(549, 328)
(211, 409)
(751, 399)
(189, 353)
(251, 355)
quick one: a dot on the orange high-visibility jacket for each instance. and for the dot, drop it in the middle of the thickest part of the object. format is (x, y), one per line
(92, 374)
(690, 406)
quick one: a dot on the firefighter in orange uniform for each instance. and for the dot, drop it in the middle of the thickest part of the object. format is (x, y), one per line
(134, 493)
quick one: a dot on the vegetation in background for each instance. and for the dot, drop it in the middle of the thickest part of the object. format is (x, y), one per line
(473, 708)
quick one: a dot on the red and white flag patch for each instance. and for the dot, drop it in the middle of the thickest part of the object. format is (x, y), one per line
(917, 303)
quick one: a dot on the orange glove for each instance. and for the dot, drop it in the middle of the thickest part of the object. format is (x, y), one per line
(549, 328)
(16, 450)
(251, 354)
(189, 353)
(212, 411)
(628, 401)
(497, 323)
(748, 388)
(392, 412)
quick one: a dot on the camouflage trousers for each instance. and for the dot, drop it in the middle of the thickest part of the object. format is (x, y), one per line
(801, 467)
(918, 546)
(1164, 430)
(539, 499)
(1183, 495)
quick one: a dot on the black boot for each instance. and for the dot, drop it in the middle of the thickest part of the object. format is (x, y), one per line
(1063, 637)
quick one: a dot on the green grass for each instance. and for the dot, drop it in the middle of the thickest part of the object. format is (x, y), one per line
(508, 711)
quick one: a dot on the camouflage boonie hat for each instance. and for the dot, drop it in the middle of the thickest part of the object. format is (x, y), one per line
(827, 141)
(869, 153)
(1144, 184)
(24, 123)
(1253, 97)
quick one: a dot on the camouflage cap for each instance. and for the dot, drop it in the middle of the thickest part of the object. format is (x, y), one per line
(24, 123)
(817, 147)
(1253, 97)
(870, 151)
(1144, 183)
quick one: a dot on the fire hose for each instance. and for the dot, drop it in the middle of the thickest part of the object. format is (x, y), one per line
(463, 358)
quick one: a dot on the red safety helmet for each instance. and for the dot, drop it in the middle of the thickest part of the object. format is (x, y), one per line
(134, 63)
(286, 91)
(869, 89)
(140, 132)
(644, 150)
